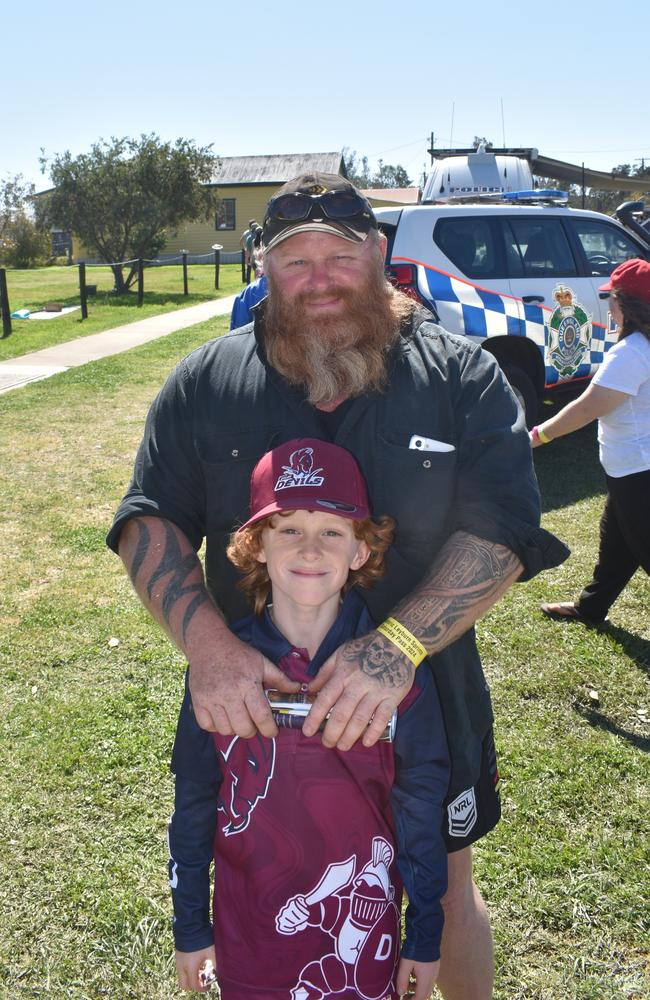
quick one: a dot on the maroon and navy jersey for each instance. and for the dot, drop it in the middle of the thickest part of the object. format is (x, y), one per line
(311, 845)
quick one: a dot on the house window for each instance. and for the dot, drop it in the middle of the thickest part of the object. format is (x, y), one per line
(225, 214)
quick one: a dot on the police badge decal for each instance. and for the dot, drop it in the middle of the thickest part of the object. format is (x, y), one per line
(569, 333)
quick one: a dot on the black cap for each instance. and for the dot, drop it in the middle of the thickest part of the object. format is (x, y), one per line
(355, 228)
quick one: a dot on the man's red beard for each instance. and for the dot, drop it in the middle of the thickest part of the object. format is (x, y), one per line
(337, 357)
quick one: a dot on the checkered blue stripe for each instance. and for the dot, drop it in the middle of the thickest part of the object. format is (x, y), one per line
(476, 312)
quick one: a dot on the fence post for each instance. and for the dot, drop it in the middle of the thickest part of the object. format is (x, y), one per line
(217, 247)
(243, 267)
(4, 304)
(82, 291)
(185, 288)
(140, 281)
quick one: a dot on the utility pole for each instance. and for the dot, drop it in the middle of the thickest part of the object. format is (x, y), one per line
(430, 149)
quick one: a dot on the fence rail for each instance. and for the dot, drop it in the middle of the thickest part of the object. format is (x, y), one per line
(216, 256)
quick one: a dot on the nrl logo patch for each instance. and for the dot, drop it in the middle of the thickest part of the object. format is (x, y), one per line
(462, 814)
(300, 471)
(569, 333)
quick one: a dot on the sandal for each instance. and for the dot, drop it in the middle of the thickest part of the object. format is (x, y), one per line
(567, 611)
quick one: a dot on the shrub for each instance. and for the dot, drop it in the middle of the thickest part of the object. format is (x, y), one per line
(24, 244)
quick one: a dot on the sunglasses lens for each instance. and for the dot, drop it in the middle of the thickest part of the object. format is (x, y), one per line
(342, 204)
(291, 207)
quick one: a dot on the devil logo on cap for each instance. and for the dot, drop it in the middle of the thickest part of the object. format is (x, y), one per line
(300, 471)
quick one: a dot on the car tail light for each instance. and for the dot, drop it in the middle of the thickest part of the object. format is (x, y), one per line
(404, 277)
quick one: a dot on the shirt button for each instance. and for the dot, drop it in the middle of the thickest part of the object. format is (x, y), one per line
(235, 452)
(295, 652)
(427, 463)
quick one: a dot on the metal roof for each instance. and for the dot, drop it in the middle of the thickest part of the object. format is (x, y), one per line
(274, 169)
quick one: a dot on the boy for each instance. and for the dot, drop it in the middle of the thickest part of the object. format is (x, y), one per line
(311, 845)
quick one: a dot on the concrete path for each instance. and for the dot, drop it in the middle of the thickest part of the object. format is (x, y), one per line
(41, 364)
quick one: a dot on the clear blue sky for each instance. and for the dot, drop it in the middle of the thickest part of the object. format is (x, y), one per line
(278, 77)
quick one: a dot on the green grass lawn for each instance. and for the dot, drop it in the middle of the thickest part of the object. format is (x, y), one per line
(90, 691)
(163, 291)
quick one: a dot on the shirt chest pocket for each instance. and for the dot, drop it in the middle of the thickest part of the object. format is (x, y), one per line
(227, 461)
(416, 487)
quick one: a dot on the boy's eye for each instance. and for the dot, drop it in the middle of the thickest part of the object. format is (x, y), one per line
(333, 533)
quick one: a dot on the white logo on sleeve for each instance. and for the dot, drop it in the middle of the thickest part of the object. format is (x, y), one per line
(462, 814)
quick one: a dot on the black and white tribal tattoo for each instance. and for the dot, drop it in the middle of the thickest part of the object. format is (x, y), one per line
(468, 577)
(471, 573)
(177, 567)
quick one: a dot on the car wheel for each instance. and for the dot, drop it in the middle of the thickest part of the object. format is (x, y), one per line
(524, 390)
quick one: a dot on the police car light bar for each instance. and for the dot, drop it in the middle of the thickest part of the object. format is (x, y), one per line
(539, 194)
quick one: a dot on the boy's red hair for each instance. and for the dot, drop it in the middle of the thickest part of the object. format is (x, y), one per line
(245, 546)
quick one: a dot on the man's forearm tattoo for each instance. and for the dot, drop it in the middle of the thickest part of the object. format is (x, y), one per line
(379, 660)
(470, 576)
(174, 565)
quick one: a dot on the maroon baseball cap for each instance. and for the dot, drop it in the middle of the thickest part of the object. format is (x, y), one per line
(307, 474)
(631, 277)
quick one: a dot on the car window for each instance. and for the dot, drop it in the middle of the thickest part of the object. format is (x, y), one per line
(605, 246)
(469, 244)
(538, 248)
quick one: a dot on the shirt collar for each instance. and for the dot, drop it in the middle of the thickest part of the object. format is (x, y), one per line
(260, 631)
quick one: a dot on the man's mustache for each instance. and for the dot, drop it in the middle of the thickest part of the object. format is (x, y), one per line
(331, 292)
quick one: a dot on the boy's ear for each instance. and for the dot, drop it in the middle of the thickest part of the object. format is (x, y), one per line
(361, 557)
(261, 555)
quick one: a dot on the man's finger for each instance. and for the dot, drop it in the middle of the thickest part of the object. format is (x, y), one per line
(240, 719)
(323, 675)
(381, 718)
(260, 712)
(349, 726)
(274, 678)
(222, 722)
(321, 706)
(211, 718)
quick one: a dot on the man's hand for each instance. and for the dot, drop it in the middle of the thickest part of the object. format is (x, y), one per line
(227, 682)
(423, 974)
(361, 685)
(227, 677)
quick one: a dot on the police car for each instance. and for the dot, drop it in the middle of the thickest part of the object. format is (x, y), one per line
(516, 270)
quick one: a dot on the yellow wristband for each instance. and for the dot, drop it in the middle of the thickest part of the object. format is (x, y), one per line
(542, 436)
(404, 640)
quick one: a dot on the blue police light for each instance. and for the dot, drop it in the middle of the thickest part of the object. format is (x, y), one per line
(538, 194)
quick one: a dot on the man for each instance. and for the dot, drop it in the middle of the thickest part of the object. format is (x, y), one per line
(246, 243)
(335, 352)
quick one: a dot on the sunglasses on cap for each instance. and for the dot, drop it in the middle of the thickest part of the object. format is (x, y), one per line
(334, 205)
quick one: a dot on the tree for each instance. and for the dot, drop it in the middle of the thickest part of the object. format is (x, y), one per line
(357, 171)
(123, 196)
(22, 243)
(387, 175)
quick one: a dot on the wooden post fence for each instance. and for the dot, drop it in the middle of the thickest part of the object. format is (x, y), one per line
(82, 291)
(217, 247)
(4, 304)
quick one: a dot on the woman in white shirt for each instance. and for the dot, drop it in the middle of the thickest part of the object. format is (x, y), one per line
(619, 398)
